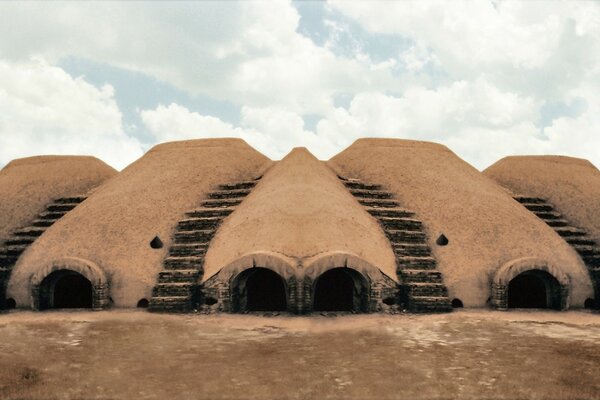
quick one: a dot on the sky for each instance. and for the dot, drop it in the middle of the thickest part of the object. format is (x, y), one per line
(486, 78)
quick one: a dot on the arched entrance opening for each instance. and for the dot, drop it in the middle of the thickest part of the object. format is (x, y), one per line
(259, 289)
(534, 289)
(65, 289)
(340, 289)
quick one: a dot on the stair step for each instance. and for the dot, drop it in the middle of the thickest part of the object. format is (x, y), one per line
(179, 275)
(389, 212)
(8, 260)
(592, 261)
(420, 275)
(32, 231)
(379, 203)
(199, 223)
(170, 304)
(427, 290)
(61, 207)
(45, 223)
(529, 199)
(429, 304)
(209, 212)
(188, 249)
(548, 215)
(557, 222)
(51, 215)
(585, 250)
(569, 231)
(408, 262)
(4, 274)
(195, 236)
(70, 200)
(19, 241)
(371, 194)
(173, 290)
(238, 185)
(406, 224)
(14, 250)
(398, 236)
(538, 207)
(355, 184)
(219, 203)
(229, 194)
(411, 249)
(189, 262)
(580, 241)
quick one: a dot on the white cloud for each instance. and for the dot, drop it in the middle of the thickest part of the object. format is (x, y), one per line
(43, 110)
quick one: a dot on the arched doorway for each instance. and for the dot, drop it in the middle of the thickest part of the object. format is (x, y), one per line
(534, 289)
(340, 289)
(65, 289)
(259, 289)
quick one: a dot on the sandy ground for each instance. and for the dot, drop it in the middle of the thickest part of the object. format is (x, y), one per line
(137, 355)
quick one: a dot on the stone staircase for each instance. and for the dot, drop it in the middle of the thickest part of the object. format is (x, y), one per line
(11, 249)
(587, 248)
(422, 284)
(176, 288)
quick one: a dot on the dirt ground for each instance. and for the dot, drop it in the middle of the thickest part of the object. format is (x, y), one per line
(138, 355)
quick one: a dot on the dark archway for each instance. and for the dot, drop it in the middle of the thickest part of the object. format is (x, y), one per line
(340, 289)
(534, 289)
(65, 289)
(259, 289)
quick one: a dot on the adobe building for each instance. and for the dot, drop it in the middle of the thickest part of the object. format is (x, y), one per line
(385, 226)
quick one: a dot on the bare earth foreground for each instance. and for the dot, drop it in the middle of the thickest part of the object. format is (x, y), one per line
(138, 355)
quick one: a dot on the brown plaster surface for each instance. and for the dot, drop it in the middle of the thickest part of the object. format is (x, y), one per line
(301, 213)
(486, 228)
(571, 185)
(114, 226)
(29, 184)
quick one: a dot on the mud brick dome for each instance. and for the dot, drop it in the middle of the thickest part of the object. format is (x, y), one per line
(212, 225)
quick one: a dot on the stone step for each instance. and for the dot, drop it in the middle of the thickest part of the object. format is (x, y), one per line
(427, 289)
(210, 212)
(411, 250)
(420, 275)
(408, 262)
(220, 203)
(592, 261)
(557, 222)
(61, 207)
(31, 231)
(173, 290)
(178, 276)
(17, 241)
(189, 262)
(238, 185)
(51, 215)
(8, 260)
(406, 224)
(427, 304)
(196, 236)
(188, 249)
(199, 223)
(569, 231)
(379, 203)
(389, 212)
(371, 194)
(4, 274)
(538, 207)
(398, 236)
(70, 200)
(585, 250)
(529, 199)
(14, 250)
(170, 304)
(356, 184)
(548, 215)
(229, 194)
(580, 241)
(44, 223)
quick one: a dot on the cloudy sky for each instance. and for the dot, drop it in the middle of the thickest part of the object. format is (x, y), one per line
(486, 78)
